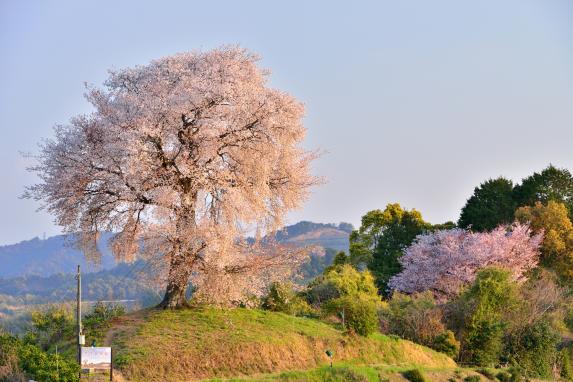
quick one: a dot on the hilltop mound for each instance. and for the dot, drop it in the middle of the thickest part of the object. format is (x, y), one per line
(204, 343)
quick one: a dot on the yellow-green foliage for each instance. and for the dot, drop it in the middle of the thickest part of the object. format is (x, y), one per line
(553, 219)
(359, 312)
(345, 292)
(283, 298)
(53, 327)
(208, 343)
(347, 281)
(415, 375)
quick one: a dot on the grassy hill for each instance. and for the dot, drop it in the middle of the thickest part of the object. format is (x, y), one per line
(204, 343)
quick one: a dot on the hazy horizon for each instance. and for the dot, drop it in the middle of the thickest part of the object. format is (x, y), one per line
(415, 103)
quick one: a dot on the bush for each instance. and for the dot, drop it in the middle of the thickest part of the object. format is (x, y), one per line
(9, 369)
(486, 373)
(512, 375)
(565, 363)
(51, 326)
(516, 373)
(348, 294)
(533, 348)
(417, 318)
(483, 310)
(569, 319)
(472, 378)
(338, 281)
(359, 311)
(41, 366)
(446, 343)
(282, 298)
(485, 342)
(414, 375)
(503, 376)
(102, 313)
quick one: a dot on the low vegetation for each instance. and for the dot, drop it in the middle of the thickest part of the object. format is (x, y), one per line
(46, 352)
(209, 342)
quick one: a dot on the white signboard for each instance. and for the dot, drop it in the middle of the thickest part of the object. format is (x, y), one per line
(96, 361)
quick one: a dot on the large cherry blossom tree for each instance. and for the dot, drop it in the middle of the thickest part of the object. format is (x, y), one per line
(445, 261)
(181, 157)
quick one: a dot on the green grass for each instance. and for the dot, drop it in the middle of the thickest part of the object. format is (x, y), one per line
(355, 373)
(205, 343)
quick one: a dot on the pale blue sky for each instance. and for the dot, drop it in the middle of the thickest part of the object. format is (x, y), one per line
(415, 101)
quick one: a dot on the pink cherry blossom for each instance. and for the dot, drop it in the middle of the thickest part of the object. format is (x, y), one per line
(445, 261)
(181, 158)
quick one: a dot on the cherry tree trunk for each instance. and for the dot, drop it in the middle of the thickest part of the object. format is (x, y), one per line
(182, 256)
(177, 281)
(174, 296)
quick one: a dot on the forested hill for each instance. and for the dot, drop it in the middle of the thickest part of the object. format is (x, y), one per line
(48, 257)
(36, 271)
(325, 235)
(56, 255)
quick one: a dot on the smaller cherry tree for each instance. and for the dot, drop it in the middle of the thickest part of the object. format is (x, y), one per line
(445, 261)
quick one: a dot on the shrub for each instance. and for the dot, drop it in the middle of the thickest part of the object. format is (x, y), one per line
(359, 311)
(42, 366)
(414, 375)
(482, 313)
(417, 318)
(51, 326)
(338, 281)
(282, 298)
(516, 373)
(533, 347)
(569, 318)
(102, 313)
(485, 342)
(513, 374)
(565, 363)
(486, 373)
(472, 378)
(9, 369)
(446, 343)
(414, 317)
(503, 376)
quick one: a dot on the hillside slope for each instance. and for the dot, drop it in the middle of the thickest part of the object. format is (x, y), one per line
(204, 343)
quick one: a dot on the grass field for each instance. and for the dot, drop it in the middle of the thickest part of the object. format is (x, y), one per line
(357, 373)
(205, 343)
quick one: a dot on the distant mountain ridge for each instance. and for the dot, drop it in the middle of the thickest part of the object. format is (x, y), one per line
(50, 256)
(56, 254)
(330, 235)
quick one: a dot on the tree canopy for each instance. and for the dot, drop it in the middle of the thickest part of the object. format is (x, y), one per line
(382, 237)
(490, 205)
(180, 158)
(553, 220)
(445, 261)
(494, 201)
(550, 184)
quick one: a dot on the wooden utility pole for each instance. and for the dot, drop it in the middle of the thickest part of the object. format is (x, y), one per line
(79, 315)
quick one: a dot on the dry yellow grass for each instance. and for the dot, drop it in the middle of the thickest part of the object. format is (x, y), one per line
(204, 343)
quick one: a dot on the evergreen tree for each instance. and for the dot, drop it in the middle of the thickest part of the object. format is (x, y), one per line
(490, 205)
